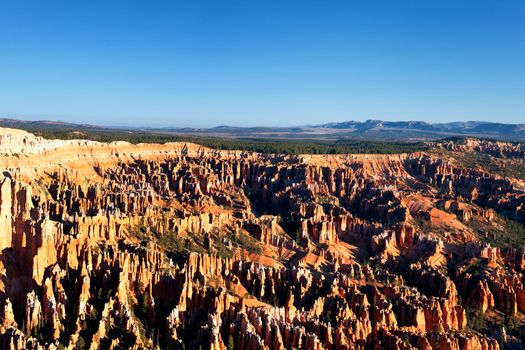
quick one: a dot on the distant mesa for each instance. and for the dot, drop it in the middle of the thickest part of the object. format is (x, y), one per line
(361, 130)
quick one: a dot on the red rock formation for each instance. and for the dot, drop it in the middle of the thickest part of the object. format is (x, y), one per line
(160, 246)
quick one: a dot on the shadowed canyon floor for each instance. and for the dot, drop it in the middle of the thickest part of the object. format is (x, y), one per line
(178, 246)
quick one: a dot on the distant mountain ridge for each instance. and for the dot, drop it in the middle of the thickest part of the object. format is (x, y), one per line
(369, 129)
(360, 130)
(459, 127)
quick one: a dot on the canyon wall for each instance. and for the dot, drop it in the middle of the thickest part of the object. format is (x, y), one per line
(178, 246)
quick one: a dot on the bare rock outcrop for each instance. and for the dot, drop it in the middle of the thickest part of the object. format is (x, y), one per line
(180, 246)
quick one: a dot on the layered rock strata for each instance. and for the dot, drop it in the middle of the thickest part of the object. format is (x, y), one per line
(178, 246)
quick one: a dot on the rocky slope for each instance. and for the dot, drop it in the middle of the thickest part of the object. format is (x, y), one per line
(178, 246)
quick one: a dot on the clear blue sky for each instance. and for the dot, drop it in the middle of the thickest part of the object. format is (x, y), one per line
(251, 62)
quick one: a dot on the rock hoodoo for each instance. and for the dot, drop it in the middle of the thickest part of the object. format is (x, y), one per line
(178, 246)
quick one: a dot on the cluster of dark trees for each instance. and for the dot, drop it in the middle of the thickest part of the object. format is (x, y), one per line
(244, 144)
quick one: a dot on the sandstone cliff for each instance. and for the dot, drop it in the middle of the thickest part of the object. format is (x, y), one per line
(179, 246)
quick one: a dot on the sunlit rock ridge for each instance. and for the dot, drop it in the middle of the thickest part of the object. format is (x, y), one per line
(178, 246)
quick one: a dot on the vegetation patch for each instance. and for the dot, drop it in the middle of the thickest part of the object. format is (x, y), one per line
(500, 232)
(218, 243)
(507, 167)
(278, 146)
